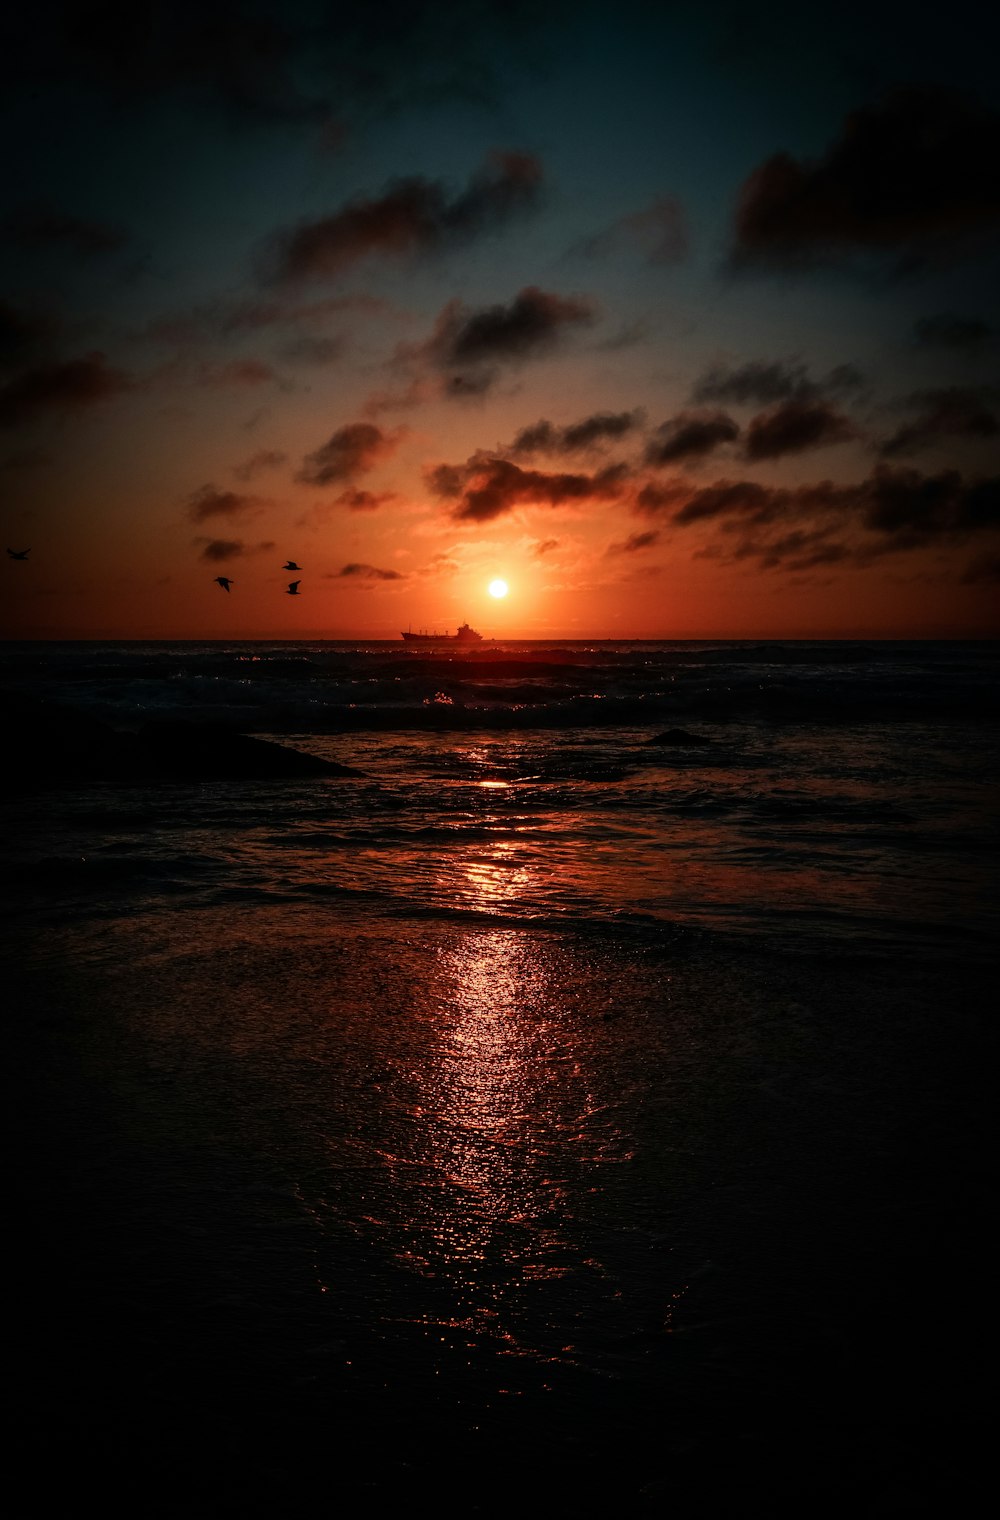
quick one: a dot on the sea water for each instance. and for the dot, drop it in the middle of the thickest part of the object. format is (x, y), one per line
(543, 1116)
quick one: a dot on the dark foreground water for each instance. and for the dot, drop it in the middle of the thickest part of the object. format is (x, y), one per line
(543, 1120)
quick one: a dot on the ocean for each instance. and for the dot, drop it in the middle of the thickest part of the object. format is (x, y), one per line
(581, 1105)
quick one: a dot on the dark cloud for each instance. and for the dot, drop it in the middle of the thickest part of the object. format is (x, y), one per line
(368, 573)
(257, 464)
(946, 330)
(727, 499)
(363, 501)
(36, 227)
(601, 427)
(766, 383)
(656, 500)
(246, 63)
(69, 385)
(913, 173)
(412, 216)
(915, 509)
(278, 61)
(634, 543)
(957, 412)
(545, 546)
(890, 512)
(484, 489)
(532, 323)
(351, 451)
(658, 233)
(795, 427)
(208, 502)
(218, 550)
(690, 435)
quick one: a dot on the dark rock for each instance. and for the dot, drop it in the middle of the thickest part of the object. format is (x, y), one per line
(204, 752)
(679, 737)
(50, 744)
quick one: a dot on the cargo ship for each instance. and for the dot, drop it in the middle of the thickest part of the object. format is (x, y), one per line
(465, 635)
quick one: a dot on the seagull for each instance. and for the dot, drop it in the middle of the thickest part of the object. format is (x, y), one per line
(223, 581)
(291, 566)
(23, 554)
(293, 588)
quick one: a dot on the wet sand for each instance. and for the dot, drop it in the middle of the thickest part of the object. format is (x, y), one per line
(320, 1211)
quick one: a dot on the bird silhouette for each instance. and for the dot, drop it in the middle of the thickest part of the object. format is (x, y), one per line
(291, 565)
(223, 581)
(293, 588)
(23, 554)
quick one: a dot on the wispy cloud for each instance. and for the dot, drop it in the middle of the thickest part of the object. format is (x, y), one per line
(410, 217)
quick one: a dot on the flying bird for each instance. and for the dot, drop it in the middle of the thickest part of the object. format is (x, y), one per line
(291, 565)
(23, 554)
(293, 588)
(223, 581)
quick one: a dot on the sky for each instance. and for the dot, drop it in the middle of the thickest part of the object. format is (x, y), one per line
(683, 320)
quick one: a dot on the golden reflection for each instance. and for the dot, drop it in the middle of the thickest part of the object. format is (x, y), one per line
(497, 877)
(504, 1129)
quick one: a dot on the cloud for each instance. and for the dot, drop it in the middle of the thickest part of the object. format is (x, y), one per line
(957, 412)
(532, 323)
(462, 358)
(257, 464)
(351, 500)
(765, 383)
(946, 330)
(279, 61)
(601, 427)
(412, 216)
(912, 174)
(218, 550)
(351, 451)
(41, 226)
(634, 543)
(367, 573)
(658, 233)
(487, 488)
(69, 385)
(891, 511)
(545, 546)
(208, 502)
(690, 435)
(363, 501)
(794, 427)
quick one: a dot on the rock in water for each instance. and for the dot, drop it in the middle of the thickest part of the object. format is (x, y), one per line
(680, 737)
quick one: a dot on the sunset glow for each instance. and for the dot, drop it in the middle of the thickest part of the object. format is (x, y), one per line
(396, 324)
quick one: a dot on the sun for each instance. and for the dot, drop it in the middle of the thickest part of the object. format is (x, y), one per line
(498, 588)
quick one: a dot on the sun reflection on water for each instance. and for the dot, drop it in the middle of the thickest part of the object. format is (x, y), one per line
(502, 1130)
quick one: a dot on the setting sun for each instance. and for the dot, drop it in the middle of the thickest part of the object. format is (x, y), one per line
(497, 588)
